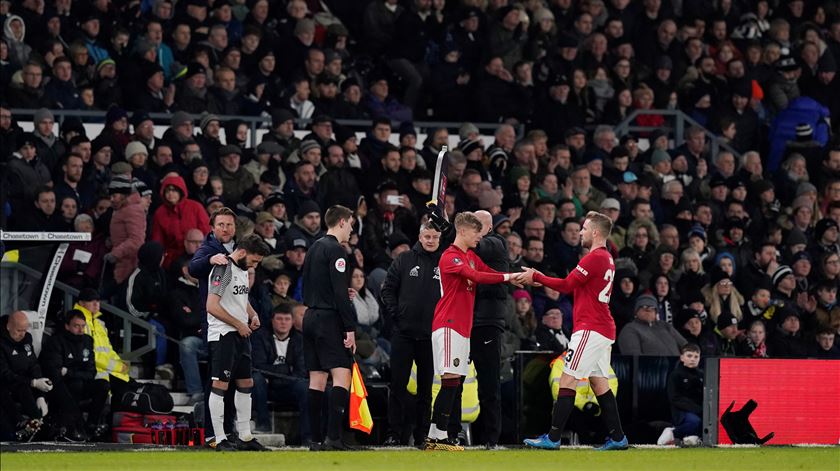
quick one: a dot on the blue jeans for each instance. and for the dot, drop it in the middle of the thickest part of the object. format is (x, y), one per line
(191, 350)
(282, 391)
(160, 343)
(686, 424)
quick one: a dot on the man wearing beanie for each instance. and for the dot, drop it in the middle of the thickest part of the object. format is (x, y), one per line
(648, 336)
(209, 140)
(49, 147)
(726, 330)
(784, 285)
(128, 227)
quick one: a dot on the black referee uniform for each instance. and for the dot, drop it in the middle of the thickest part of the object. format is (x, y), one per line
(330, 313)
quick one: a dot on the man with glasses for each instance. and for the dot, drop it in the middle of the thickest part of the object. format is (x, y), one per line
(31, 94)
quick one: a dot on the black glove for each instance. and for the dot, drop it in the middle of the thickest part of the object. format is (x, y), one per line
(438, 221)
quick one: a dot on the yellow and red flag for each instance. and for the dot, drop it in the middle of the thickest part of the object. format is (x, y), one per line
(360, 418)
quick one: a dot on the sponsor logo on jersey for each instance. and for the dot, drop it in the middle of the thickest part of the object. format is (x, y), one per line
(69, 356)
(580, 269)
(415, 272)
(340, 265)
(217, 280)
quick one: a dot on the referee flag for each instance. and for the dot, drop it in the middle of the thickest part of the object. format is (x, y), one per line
(360, 418)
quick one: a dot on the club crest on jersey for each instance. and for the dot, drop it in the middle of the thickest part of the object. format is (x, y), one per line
(340, 265)
(436, 272)
(456, 362)
(28, 350)
(580, 269)
(472, 264)
(415, 272)
(456, 261)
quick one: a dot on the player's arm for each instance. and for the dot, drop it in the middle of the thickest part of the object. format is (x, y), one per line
(253, 317)
(460, 267)
(577, 278)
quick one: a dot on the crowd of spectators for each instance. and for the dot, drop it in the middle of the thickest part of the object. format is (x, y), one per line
(731, 250)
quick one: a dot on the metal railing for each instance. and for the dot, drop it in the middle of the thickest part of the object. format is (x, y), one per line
(681, 122)
(13, 278)
(256, 123)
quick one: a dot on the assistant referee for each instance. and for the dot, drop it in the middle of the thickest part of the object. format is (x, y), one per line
(329, 327)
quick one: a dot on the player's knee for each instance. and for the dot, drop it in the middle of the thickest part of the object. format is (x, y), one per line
(218, 391)
(244, 389)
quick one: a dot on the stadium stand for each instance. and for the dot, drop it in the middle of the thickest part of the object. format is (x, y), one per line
(703, 129)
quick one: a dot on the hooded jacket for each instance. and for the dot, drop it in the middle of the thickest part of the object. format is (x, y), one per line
(147, 285)
(411, 292)
(19, 51)
(128, 232)
(171, 222)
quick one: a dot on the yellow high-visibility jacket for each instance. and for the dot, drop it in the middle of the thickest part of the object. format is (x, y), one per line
(469, 398)
(584, 393)
(108, 362)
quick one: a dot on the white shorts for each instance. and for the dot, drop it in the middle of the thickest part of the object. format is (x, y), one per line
(451, 352)
(588, 355)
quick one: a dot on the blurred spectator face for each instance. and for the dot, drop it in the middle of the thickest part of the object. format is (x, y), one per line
(724, 287)
(327, 90)
(802, 216)
(646, 314)
(314, 63)
(323, 130)
(296, 256)
(172, 195)
(335, 156)
(514, 246)
(584, 24)
(69, 208)
(334, 67)
(511, 20)
(250, 43)
(643, 212)
(382, 132)
(694, 326)
(505, 137)
(726, 265)
(627, 285)
(666, 262)
(640, 241)
(5, 118)
(224, 228)
(831, 266)
(833, 161)
(666, 32)
(391, 161)
(825, 340)
(298, 312)
(197, 11)
(549, 184)
(471, 185)
(73, 169)
(76, 326)
(353, 95)
(692, 263)
(305, 177)
(615, 28)
(547, 212)
(91, 28)
(32, 76)
(218, 38)
(834, 213)
(662, 286)
(267, 64)
(535, 228)
(422, 185)
(761, 298)
(192, 241)
(802, 268)
(230, 162)
(679, 164)
(62, 70)
(146, 131)
(285, 129)
(46, 202)
(553, 318)
(357, 280)
(408, 160)
(566, 210)
(581, 181)
(102, 158)
(265, 230)
(535, 251)
(379, 89)
(154, 33)
(312, 156)
(571, 234)
(233, 59)
(182, 36)
(281, 285)
(791, 324)
(629, 191)
(191, 152)
(281, 322)
(226, 80)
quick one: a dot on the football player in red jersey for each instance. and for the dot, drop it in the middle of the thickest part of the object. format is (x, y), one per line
(460, 271)
(588, 355)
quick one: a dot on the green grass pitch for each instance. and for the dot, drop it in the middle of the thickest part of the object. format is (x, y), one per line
(740, 459)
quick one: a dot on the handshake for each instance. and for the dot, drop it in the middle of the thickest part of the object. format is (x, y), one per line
(523, 278)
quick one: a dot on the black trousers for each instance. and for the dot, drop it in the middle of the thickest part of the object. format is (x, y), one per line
(95, 390)
(486, 354)
(405, 410)
(21, 401)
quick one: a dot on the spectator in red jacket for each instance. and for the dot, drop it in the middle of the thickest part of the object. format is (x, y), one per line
(177, 215)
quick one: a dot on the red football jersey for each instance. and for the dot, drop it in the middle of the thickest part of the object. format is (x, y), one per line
(591, 286)
(459, 273)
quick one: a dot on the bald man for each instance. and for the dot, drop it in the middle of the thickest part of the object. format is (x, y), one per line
(22, 386)
(492, 304)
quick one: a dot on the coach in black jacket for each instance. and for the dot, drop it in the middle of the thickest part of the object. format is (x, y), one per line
(21, 381)
(410, 293)
(491, 301)
(68, 361)
(279, 370)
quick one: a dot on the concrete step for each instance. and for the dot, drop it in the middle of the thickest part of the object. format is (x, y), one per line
(183, 409)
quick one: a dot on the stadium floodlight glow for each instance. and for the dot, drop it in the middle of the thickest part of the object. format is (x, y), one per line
(45, 236)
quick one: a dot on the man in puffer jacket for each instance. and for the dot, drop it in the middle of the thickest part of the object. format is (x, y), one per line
(177, 215)
(128, 227)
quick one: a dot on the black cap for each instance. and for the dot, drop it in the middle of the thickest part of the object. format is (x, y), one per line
(89, 294)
